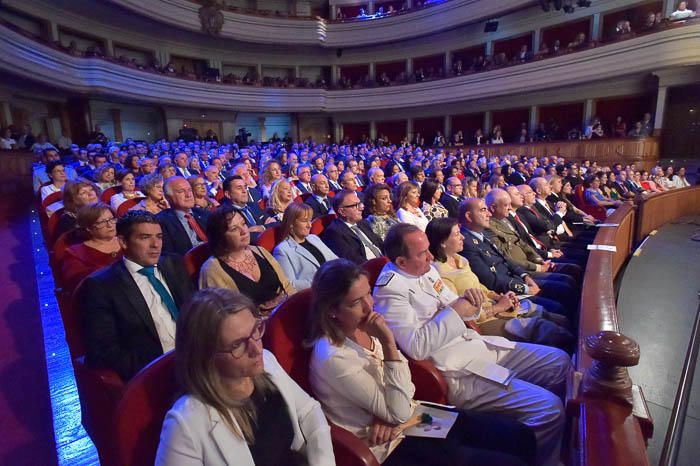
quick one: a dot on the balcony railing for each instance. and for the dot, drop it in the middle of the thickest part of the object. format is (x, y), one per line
(674, 45)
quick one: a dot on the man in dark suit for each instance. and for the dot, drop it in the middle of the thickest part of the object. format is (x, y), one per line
(304, 182)
(519, 175)
(500, 274)
(333, 174)
(241, 170)
(349, 236)
(184, 225)
(452, 196)
(180, 161)
(236, 195)
(129, 309)
(319, 201)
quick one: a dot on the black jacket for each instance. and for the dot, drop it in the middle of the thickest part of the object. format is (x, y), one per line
(495, 271)
(318, 208)
(118, 329)
(175, 239)
(345, 243)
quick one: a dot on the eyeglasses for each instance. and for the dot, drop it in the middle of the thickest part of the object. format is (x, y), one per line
(105, 222)
(359, 205)
(240, 347)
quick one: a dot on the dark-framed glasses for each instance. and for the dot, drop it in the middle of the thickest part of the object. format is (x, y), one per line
(240, 347)
(105, 222)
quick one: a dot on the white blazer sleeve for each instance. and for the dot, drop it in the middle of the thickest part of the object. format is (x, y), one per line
(177, 447)
(418, 340)
(312, 422)
(345, 371)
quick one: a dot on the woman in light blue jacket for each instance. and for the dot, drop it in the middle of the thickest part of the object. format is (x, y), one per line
(300, 254)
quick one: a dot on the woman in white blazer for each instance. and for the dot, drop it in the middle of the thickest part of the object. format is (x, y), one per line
(239, 407)
(364, 383)
(300, 254)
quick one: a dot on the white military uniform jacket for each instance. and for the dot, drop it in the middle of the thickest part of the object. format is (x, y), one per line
(425, 327)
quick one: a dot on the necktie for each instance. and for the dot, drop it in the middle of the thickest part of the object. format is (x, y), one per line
(195, 227)
(324, 203)
(535, 241)
(375, 250)
(248, 216)
(149, 272)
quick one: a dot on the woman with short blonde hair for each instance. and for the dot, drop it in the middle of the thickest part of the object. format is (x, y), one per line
(239, 406)
(300, 253)
(281, 196)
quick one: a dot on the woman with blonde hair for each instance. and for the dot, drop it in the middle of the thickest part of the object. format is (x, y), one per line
(199, 191)
(281, 196)
(300, 254)
(272, 171)
(237, 265)
(408, 205)
(239, 406)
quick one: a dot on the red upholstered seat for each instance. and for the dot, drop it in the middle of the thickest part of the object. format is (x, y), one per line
(598, 212)
(270, 238)
(51, 225)
(51, 198)
(99, 389)
(128, 204)
(194, 258)
(109, 192)
(286, 330)
(139, 416)
(320, 223)
(374, 268)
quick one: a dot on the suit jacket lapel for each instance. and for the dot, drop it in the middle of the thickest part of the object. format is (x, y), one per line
(135, 298)
(303, 252)
(231, 448)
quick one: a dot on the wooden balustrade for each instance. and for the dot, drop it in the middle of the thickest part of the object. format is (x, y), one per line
(605, 428)
(644, 153)
(660, 208)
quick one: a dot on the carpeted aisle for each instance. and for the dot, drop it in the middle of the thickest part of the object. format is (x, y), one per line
(26, 427)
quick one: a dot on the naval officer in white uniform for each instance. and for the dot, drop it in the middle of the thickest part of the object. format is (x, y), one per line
(483, 373)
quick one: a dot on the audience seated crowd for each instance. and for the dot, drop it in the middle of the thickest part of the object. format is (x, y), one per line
(484, 265)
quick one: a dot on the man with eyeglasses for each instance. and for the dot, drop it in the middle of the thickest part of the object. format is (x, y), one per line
(452, 196)
(332, 174)
(129, 309)
(184, 225)
(350, 236)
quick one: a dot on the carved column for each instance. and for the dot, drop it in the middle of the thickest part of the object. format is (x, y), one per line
(117, 123)
(5, 114)
(488, 121)
(534, 119)
(262, 129)
(109, 47)
(669, 7)
(661, 101)
(489, 48)
(409, 129)
(409, 66)
(588, 111)
(372, 130)
(370, 7)
(372, 71)
(447, 127)
(52, 30)
(448, 63)
(536, 40)
(608, 377)
(596, 26)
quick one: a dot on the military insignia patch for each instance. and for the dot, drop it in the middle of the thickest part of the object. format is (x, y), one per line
(438, 286)
(384, 279)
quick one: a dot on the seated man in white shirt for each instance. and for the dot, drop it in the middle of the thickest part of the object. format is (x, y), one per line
(484, 373)
(128, 310)
(682, 12)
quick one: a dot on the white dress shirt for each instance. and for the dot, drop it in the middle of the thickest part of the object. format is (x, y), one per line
(164, 322)
(419, 220)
